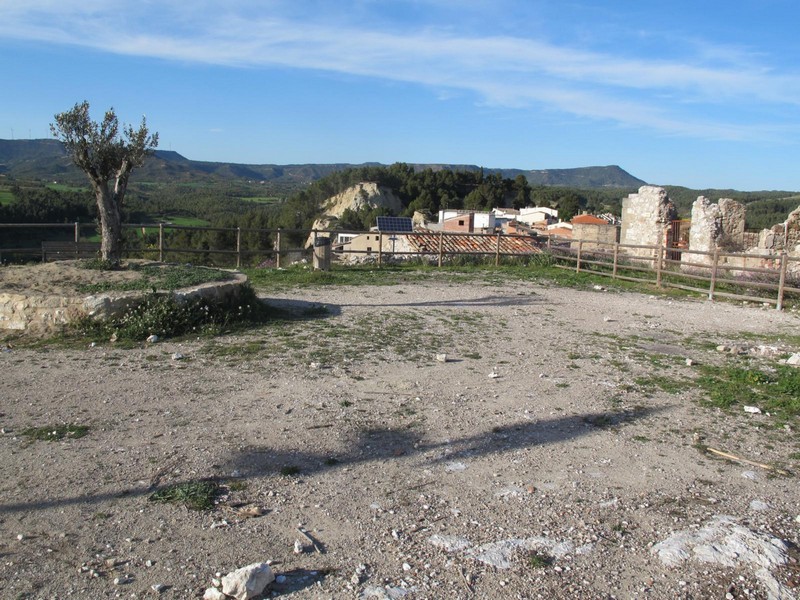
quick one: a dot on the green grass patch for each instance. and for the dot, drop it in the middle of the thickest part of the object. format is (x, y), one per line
(6, 197)
(664, 383)
(54, 433)
(195, 495)
(152, 277)
(185, 221)
(775, 391)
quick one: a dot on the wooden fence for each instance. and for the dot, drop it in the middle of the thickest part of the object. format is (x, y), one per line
(750, 277)
(741, 276)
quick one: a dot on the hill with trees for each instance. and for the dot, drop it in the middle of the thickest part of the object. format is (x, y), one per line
(47, 160)
(172, 188)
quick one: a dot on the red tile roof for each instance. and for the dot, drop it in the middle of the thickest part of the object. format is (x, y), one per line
(455, 243)
(588, 220)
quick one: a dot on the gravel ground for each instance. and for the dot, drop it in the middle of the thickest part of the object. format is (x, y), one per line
(539, 458)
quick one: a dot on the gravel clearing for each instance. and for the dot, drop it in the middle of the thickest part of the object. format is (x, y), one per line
(537, 459)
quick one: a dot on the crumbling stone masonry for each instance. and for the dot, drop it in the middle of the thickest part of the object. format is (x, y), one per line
(646, 218)
(715, 226)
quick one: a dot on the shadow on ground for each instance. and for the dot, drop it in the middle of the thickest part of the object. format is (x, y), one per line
(385, 445)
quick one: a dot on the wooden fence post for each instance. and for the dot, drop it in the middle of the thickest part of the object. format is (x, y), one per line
(380, 249)
(616, 256)
(441, 241)
(497, 252)
(713, 283)
(659, 262)
(238, 247)
(782, 280)
(578, 262)
(160, 242)
(278, 249)
(548, 242)
(77, 232)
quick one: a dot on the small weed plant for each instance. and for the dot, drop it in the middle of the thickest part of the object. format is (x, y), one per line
(54, 433)
(539, 560)
(194, 495)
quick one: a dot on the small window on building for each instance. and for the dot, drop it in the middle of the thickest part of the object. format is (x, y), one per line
(461, 222)
(369, 249)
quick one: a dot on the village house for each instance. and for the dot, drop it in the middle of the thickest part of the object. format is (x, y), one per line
(594, 231)
(466, 221)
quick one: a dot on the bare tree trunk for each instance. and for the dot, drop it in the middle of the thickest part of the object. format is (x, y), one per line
(110, 225)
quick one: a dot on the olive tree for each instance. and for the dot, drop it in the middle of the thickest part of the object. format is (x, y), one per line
(107, 153)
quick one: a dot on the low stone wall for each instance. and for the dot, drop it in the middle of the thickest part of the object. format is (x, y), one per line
(43, 314)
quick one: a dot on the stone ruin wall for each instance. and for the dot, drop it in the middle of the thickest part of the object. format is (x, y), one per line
(714, 227)
(646, 217)
(721, 227)
(648, 214)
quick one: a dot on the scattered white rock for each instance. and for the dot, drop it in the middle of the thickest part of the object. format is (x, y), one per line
(759, 505)
(359, 575)
(213, 594)
(248, 582)
(442, 358)
(494, 375)
(752, 410)
(608, 319)
(152, 339)
(512, 491)
(689, 362)
(752, 475)
(387, 593)
(299, 548)
(794, 359)
(449, 543)
(177, 356)
(500, 555)
(455, 467)
(159, 588)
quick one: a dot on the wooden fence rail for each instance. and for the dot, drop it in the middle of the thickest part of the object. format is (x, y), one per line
(612, 260)
(722, 272)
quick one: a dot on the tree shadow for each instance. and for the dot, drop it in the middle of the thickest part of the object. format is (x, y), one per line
(302, 307)
(386, 444)
(487, 301)
(381, 445)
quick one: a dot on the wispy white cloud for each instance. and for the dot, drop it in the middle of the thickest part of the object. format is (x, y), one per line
(655, 93)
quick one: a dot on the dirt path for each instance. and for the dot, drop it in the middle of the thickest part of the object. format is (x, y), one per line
(542, 459)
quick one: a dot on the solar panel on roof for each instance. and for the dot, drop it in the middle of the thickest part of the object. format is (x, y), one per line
(396, 224)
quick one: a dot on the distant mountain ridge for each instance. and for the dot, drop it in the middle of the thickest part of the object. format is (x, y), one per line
(46, 159)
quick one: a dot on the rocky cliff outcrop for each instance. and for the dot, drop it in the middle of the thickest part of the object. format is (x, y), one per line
(355, 197)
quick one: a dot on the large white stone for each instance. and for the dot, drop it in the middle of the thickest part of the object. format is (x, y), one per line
(248, 582)
(724, 542)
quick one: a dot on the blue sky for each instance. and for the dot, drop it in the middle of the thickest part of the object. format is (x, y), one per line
(703, 93)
